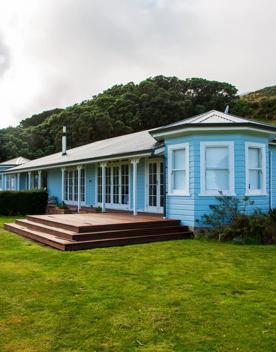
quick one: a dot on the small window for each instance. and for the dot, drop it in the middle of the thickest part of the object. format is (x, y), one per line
(255, 169)
(217, 168)
(179, 169)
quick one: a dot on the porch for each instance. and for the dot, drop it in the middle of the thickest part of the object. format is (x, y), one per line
(85, 231)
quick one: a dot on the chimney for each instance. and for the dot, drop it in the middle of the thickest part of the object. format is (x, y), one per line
(227, 109)
(64, 141)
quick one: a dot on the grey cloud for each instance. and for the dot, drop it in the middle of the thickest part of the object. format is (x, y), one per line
(80, 47)
(4, 56)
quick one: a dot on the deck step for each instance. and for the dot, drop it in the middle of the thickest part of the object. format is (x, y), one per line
(51, 220)
(70, 235)
(67, 245)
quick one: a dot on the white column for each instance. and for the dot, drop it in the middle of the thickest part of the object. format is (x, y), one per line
(18, 182)
(4, 182)
(29, 180)
(103, 166)
(79, 187)
(134, 163)
(39, 179)
(62, 183)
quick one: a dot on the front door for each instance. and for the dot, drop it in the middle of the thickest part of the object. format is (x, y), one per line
(154, 186)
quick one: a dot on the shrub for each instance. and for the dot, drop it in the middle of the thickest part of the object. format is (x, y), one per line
(228, 221)
(23, 202)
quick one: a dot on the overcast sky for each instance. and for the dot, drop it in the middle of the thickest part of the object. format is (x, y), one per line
(54, 53)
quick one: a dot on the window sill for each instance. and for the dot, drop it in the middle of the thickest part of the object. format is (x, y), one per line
(179, 194)
(255, 194)
(217, 195)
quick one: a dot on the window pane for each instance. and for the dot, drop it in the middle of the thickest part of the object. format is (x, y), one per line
(217, 180)
(179, 159)
(254, 158)
(217, 157)
(179, 180)
(255, 179)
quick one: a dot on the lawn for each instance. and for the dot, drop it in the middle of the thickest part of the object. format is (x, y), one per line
(177, 296)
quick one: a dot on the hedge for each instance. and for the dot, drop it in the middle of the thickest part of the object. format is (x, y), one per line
(23, 202)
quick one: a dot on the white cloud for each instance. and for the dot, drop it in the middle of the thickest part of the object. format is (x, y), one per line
(55, 53)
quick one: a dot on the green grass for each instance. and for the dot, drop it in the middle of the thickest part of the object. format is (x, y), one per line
(176, 296)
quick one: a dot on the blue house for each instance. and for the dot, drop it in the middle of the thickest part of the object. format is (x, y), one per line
(176, 170)
(9, 182)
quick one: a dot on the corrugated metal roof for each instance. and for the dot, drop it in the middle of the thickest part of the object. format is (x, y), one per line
(16, 161)
(138, 142)
(213, 118)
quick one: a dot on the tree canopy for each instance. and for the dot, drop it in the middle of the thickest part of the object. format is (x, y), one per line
(122, 109)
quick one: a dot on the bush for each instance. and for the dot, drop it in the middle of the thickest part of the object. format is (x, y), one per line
(228, 221)
(23, 202)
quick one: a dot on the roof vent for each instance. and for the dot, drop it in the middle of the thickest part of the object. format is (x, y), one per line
(64, 141)
(226, 110)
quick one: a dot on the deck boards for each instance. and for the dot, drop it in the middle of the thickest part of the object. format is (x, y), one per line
(84, 231)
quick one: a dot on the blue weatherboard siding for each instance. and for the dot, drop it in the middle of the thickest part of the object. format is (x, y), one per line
(273, 183)
(140, 185)
(90, 171)
(192, 208)
(54, 183)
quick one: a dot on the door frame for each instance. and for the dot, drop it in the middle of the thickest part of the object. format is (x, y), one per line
(151, 209)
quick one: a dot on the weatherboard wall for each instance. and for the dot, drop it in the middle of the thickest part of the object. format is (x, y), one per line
(273, 175)
(190, 209)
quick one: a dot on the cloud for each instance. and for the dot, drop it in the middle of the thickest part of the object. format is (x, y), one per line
(59, 53)
(4, 57)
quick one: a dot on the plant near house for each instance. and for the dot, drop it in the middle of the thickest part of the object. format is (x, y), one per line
(23, 202)
(228, 221)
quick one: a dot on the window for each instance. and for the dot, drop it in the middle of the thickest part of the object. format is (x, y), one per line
(255, 169)
(178, 169)
(10, 183)
(71, 186)
(217, 168)
(1, 182)
(116, 185)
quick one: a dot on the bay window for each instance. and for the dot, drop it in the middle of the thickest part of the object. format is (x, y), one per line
(217, 168)
(178, 163)
(255, 169)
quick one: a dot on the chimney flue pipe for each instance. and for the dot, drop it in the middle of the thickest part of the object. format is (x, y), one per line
(64, 141)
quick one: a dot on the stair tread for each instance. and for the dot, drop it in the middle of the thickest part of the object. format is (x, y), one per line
(68, 242)
(29, 222)
(41, 234)
(73, 233)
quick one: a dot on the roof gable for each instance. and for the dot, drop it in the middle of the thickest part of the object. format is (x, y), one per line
(213, 119)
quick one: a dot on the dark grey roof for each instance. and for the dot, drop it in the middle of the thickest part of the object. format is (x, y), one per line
(130, 144)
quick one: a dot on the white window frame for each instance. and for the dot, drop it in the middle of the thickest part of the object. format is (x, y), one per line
(171, 149)
(117, 206)
(248, 191)
(73, 202)
(230, 146)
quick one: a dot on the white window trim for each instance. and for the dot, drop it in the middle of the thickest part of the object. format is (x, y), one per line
(171, 148)
(261, 192)
(230, 146)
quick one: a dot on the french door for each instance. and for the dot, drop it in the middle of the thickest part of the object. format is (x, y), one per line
(117, 187)
(154, 186)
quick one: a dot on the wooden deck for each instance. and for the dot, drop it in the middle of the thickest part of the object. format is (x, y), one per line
(83, 231)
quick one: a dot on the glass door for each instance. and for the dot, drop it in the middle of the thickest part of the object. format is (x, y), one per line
(154, 186)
